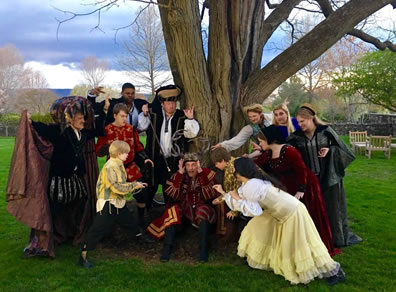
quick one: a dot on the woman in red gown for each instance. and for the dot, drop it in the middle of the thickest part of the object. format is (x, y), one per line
(286, 164)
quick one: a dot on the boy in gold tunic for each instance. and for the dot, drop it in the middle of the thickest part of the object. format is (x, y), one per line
(111, 189)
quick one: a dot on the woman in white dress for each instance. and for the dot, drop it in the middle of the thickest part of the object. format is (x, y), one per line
(282, 237)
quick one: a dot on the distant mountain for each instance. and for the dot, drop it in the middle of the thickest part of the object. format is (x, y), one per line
(60, 92)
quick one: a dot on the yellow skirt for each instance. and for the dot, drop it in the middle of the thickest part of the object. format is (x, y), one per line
(292, 249)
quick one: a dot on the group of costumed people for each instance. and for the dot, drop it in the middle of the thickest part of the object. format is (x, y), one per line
(291, 185)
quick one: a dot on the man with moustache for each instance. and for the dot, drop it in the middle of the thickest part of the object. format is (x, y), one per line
(191, 190)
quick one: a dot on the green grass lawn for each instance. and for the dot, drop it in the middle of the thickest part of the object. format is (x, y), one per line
(371, 265)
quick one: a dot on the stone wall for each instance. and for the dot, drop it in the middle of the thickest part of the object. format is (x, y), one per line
(372, 129)
(374, 124)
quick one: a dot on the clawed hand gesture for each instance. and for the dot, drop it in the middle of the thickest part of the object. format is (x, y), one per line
(214, 147)
(141, 185)
(323, 152)
(107, 102)
(181, 166)
(97, 90)
(255, 147)
(218, 188)
(189, 112)
(199, 166)
(149, 161)
(145, 109)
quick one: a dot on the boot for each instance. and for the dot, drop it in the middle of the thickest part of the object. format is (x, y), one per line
(168, 243)
(338, 278)
(141, 222)
(83, 260)
(203, 241)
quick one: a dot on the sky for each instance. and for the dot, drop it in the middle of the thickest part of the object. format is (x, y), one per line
(32, 27)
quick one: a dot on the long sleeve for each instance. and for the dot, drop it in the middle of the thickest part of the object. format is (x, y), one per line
(117, 187)
(47, 132)
(298, 167)
(143, 122)
(191, 128)
(240, 139)
(207, 180)
(251, 194)
(173, 188)
(102, 146)
(247, 208)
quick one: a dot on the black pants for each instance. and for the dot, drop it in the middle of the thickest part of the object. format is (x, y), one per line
(161, 175)
(142, 196)
(104, 222)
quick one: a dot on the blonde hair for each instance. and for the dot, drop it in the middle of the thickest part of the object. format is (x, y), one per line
(308, 111)
(256, 108)
(283, 107)
(118, 147)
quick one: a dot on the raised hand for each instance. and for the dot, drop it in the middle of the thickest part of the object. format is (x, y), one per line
(107, 102)
(189, 112)
(97, 90)
(199, 166)
(149, 161)
(181, 166)
(145, 109)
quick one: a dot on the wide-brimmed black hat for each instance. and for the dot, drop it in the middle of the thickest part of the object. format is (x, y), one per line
(169, 93)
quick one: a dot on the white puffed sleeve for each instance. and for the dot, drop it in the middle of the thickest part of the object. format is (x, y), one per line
(251, 194)
(143, 122)
(240, 139)
(191, 128)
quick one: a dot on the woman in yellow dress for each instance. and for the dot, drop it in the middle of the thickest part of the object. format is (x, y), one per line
(282, 237)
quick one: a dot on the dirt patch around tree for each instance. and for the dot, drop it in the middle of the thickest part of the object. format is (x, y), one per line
(186, 247)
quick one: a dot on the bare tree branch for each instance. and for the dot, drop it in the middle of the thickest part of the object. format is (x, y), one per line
(75, 15)
(130, 24)
(327, 10)
(103, 5)
(275, 19)
(372, 40)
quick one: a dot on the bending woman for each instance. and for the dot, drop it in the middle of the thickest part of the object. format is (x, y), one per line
(327, 156)
(285, 163)
(283, 237)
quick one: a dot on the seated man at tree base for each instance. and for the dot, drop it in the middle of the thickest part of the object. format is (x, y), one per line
(191, 189)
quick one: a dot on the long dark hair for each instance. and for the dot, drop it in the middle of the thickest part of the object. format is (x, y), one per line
(246, 167)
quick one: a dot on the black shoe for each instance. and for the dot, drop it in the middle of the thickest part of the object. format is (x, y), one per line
(166, 253)
(144, 238)
(339, 278)
(85, 263)
(156, 203)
